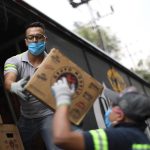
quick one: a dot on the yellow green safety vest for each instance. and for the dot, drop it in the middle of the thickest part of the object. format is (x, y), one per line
(101, 142)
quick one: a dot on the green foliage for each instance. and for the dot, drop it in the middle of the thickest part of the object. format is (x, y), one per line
(100, 36)
(142, 69)
(90, 35)
(144, 74)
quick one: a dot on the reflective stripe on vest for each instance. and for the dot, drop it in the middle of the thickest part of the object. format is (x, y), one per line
(141, 147)
(9, 66)
(99, 139)
(12, 66)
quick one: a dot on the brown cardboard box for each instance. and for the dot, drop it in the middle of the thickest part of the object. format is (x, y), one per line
(56, 65)
(10, 137)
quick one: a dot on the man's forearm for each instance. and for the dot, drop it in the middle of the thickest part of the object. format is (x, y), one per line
(63, 136)
(9, 78)
(61, 123)
(7, 84)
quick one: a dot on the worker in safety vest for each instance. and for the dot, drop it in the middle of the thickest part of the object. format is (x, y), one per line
(125, 121)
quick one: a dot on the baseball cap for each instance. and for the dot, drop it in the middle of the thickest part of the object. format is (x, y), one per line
(135, 105)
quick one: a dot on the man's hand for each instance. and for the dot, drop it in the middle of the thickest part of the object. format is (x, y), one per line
(63, 92)
(18, 88)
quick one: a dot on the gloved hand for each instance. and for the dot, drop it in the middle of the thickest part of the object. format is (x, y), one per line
(18, 88)
(63, 92)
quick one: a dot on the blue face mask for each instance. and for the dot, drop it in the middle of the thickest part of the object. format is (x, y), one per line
(36, 48)
(107, 120)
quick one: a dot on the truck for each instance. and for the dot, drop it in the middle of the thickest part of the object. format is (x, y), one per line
(15, 15)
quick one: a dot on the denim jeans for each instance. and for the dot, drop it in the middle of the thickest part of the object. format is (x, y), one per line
(30, 127)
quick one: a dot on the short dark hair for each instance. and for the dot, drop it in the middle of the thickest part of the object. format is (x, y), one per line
(36, 24)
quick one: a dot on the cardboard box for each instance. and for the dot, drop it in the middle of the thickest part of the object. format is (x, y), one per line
(10, 137)
(55, 66)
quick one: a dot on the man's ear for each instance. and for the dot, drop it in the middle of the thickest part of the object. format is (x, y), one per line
(46, 39)
(26, 42)
(119, 113)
